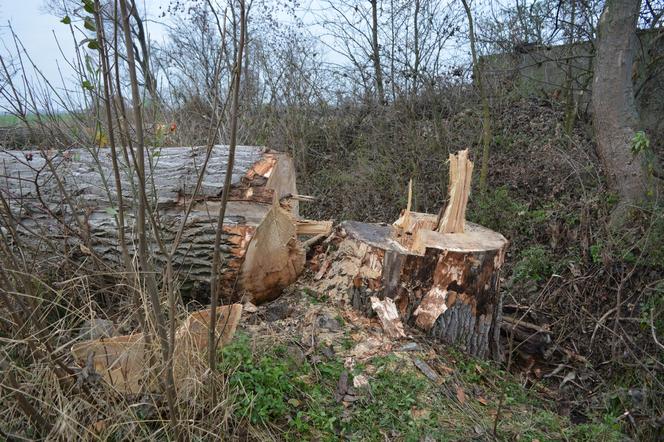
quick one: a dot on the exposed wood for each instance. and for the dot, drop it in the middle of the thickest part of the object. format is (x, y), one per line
(444, 284)
(122, 361)
(389, 317)
(461, 171)
(260, 176)
(274, 258)
(314, 241)
(309, 227)
(439, 273)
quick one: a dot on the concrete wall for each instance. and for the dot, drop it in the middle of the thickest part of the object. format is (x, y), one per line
(542, 72)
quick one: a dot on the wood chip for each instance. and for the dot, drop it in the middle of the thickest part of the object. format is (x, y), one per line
(389, 317)
(322, 270)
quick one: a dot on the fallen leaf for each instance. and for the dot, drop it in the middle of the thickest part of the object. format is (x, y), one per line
(418, 413)
(461, 395)
(99, 426)
(342, 386)
(482, 400)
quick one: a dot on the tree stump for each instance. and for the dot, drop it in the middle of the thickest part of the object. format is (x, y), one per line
(446, 284)
(441, 272)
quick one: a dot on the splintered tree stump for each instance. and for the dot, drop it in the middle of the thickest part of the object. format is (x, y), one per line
(64, 203)
(446, 284)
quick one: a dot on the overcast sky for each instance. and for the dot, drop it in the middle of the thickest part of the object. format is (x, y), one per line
(50, 44)
(40, 32)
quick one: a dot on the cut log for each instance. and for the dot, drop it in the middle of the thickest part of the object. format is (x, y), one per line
(49, 202)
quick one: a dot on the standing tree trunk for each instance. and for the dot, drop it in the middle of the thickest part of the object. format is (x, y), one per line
(570, 105)
(614, 111)
(378, 71)
(416, 46)
(486, 115)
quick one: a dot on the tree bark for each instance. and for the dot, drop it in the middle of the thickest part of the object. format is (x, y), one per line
(614, 112)
(486, 113)
(45, 222)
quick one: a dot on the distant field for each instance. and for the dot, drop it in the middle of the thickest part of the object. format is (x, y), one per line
(8, 120)
(12, 120)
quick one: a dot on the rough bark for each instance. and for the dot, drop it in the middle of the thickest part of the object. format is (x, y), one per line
(45, 222)
(614, 111)
(444, 284)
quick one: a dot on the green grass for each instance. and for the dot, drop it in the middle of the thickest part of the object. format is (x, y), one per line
(295, 400)
(8, 120)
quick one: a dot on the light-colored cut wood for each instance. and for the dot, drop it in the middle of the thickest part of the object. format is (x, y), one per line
(274, 258)
(307, 227)
(389, 317)
(461, 172)
(123, 361)
(446, 284)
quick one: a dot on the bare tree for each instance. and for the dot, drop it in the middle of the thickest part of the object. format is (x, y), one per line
(375, 53)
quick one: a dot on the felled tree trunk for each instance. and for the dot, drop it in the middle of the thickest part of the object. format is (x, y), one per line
(66, 203)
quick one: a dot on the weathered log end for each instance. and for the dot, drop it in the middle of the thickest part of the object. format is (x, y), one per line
(446, 284)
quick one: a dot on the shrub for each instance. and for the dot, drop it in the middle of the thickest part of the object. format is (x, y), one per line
(535, 263)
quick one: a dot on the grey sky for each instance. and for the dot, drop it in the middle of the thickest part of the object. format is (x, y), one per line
(40, 32)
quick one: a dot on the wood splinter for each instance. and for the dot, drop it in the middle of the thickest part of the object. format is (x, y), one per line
(461, 173)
